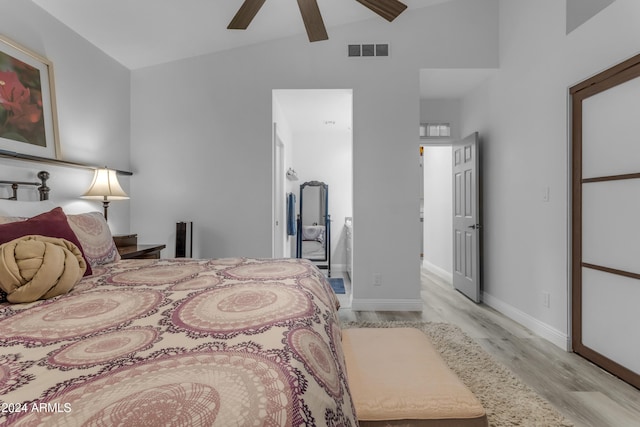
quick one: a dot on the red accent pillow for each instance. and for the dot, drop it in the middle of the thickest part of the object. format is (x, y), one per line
(51, 224)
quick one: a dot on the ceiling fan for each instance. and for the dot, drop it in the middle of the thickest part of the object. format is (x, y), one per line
(388, 9)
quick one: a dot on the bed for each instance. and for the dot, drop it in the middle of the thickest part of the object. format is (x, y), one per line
(313, 242)
(190, 342)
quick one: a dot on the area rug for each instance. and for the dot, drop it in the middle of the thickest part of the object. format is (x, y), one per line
(506, 399)
(337, 283)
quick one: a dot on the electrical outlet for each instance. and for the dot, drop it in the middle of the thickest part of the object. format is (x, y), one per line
(377, 279)
(546, 299)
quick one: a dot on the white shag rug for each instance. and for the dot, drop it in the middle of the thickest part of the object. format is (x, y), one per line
(506, 399)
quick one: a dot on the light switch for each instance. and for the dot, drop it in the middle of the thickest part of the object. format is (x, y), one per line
(545, 194)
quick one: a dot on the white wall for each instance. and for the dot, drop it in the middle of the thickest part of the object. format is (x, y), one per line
(438, 210)
(204, 152)
(327, 157)
(283, 131)
(437, 187)
(93, 101)
(201, 138)
(522, 116)
(442, 111)
(580, 11)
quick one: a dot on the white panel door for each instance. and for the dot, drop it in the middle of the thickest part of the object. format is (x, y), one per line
(466, 221)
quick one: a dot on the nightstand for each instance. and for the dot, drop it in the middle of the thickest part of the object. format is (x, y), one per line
(128, 247)
(141, 251)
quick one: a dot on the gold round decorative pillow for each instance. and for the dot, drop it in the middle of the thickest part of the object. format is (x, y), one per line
(39, 267)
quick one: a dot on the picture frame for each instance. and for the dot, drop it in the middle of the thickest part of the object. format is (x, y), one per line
(28, 115)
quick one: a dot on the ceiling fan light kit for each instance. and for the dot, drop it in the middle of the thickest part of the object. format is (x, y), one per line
(311, 16)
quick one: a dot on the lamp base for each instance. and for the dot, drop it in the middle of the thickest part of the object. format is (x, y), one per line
(105, 206)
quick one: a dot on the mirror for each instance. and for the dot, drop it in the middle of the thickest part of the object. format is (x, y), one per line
(314, 237)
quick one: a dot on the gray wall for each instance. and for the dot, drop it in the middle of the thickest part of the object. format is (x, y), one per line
(522, 115)
(201, 143)
(93, 100)
(436, 110)
(201, 138)
(580, 11)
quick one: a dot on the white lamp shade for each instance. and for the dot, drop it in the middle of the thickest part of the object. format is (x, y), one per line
(105, 186)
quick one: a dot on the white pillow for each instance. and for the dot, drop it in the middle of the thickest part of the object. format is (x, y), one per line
(94, 235)
(24, 209)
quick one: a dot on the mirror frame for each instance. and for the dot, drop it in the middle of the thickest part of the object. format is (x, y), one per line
(320, 263)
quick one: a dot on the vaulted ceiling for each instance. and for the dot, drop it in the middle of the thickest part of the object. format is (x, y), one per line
(140, 33)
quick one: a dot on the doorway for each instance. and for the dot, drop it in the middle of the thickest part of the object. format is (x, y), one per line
(450, 213)
(437, 209)
(442, 92)
(314, 132)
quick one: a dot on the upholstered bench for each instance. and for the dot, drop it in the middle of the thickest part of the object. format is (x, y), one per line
(397, 378)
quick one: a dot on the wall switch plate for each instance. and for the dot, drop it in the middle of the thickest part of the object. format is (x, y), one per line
(546, 299)
(377, 279)
(545, 194)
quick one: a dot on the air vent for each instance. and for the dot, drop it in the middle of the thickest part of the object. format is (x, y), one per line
(368, 49)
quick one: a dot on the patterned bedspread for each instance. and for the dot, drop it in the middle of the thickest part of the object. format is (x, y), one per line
(229, 342)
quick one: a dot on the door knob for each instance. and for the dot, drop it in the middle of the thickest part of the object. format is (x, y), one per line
(475, 226)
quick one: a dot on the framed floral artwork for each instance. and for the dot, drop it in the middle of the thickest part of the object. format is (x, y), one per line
(28, 119)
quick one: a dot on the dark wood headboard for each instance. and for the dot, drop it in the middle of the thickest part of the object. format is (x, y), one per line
(42, 186)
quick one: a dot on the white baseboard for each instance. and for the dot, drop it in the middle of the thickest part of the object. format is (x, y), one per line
(446, 275)
(546, 331)
(386, 304)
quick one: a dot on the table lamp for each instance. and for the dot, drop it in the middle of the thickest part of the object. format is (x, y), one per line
(105, 187)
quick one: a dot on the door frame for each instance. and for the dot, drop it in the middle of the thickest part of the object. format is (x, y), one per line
(281, 127)
(451, 142)
(618, 74)
(278, 222)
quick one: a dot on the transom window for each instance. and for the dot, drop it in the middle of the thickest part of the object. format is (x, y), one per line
(435, 130)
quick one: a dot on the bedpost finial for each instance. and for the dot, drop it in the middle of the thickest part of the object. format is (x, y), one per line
(43, 189)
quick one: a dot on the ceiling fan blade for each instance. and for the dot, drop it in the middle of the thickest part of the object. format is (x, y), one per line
(388, 9)
(245, 14)
(312, 20)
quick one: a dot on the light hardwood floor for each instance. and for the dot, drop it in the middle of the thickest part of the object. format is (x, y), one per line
(581, 391)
